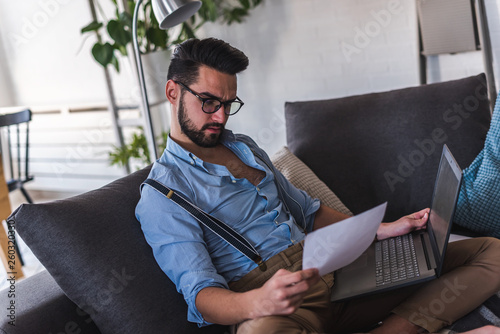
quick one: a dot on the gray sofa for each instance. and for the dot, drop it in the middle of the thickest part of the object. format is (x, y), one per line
(101, 276)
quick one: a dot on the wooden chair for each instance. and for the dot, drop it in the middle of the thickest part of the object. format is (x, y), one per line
(15, 123)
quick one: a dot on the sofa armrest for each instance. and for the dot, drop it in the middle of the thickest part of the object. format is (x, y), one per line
(37, 305)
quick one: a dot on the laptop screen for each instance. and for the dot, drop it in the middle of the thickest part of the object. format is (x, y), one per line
(444, 199)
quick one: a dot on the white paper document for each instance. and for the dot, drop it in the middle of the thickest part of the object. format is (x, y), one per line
(337, 245)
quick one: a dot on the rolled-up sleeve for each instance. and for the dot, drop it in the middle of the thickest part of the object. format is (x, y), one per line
(177, 242)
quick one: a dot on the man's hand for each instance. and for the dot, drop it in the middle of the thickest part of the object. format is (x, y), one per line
(283, 293)
(415, 221)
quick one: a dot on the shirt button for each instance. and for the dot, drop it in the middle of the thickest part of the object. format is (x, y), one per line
(234, 181)
(258, 189)
(192, 162)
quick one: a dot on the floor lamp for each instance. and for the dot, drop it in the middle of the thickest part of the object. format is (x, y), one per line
(169, 13)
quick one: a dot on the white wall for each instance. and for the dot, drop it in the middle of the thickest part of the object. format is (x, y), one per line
(298, 50)
(318, 49)
(48, 58)
(7, 97)
(448, 67)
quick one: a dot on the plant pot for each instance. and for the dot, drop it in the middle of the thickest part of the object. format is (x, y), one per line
(155, 67)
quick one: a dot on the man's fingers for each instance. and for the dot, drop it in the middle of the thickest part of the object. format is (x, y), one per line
(300, 287)
(422, 221)
(419, 214)
(286, 278)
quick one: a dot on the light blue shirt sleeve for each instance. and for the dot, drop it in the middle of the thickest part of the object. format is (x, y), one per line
(191, 255)
(179, 250)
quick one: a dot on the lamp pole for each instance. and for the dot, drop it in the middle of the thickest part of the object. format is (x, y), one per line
(148, 126)
(169, 13)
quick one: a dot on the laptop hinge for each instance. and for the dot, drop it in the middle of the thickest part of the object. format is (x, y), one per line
(431, 263)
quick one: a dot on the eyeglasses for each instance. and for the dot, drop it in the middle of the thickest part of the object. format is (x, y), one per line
(209, 105)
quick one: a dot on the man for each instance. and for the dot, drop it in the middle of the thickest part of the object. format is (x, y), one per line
(231, 178)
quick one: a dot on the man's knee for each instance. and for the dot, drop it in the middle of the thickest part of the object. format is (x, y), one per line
(271, 325)
(489, 259)
(491, 250)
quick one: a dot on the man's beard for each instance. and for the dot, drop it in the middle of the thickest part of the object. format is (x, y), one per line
(198, 136)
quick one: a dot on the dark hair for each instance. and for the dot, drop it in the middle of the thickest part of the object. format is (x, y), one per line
(214, 53)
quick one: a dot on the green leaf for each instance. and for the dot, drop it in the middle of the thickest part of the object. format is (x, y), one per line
(208, 11)
(118, 33)
(103, 53)
(157, 37)
(235, 15)
(131, 5)
(121, 48)
(188, 31)
(137, 148)
(115, 63)
(92, 26)
(152, 19)
(126, 19)
(256, 3)
(119, 156)
(245, 3)
(162, 140)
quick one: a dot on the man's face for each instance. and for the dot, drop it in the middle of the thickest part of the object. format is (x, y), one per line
(201, 128)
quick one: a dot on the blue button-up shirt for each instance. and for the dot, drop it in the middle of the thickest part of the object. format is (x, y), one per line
(191, 255)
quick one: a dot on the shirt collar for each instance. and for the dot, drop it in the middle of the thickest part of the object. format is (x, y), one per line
(227, 137)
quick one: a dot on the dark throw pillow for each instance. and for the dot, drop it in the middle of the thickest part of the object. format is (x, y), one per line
(94, 248)
(380, 147)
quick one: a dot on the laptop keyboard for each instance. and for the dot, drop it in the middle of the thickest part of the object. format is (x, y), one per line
(395, 260)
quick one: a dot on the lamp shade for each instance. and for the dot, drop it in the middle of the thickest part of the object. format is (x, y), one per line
(170, 13)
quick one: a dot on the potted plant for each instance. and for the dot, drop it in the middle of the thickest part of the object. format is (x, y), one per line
(151, 40)
(136, 152)
(150, 37)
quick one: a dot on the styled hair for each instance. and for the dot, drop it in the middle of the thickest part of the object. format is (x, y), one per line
(214, 53)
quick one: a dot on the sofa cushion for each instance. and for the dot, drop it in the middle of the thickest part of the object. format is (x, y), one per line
(303, 178)
(386, 146)
(32, 299)
(94, 248)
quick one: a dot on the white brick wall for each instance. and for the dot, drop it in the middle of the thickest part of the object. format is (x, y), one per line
(298, 50)
(318, 49)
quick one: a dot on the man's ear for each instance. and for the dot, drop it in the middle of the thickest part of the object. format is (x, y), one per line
(172, 91)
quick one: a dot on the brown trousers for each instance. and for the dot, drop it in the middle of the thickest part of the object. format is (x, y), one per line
(471, 274)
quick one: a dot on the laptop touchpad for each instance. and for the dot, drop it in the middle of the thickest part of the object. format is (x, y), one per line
(360, 262)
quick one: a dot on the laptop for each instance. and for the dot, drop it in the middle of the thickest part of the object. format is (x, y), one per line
(422, 252)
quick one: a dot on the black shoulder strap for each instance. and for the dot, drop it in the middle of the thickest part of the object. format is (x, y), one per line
(215, 225)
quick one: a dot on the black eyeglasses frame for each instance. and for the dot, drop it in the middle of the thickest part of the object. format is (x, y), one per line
(227, 104)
